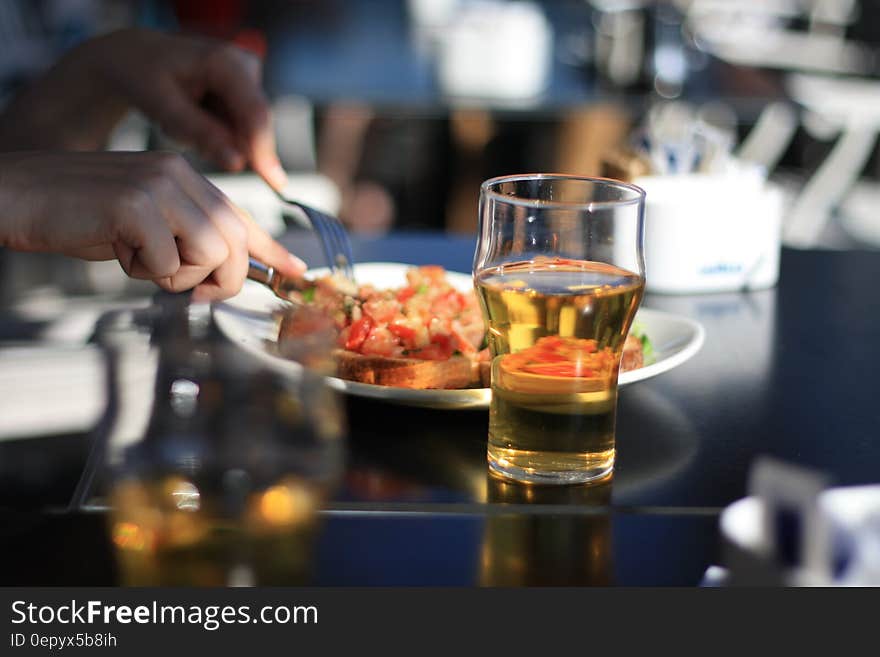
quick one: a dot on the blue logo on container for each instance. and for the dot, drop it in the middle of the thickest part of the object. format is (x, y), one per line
(721, 268)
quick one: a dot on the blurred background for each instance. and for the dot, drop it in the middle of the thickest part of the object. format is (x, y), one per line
(391, 112)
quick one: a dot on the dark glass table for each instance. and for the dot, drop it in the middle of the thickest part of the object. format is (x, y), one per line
(785, 372)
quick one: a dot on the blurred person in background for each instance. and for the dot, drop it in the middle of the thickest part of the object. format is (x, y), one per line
(149, 210)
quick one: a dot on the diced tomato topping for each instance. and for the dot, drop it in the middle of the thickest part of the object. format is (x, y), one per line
(404, 332)
(382, 310)
(448, 304)
(558, 369)
(358, 333)
(550, 342)
(380, 342)
(433, 351)
(427, 318)
(405, 294)
(434, 272)
(461, 342)
(412, 334)
(557, 356)
(549, 357)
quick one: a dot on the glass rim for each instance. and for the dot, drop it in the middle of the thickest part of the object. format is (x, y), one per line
(485, 189)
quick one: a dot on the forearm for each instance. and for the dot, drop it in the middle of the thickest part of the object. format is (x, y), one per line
(69, 108)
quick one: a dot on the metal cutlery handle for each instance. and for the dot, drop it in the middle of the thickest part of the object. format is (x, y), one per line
(259, 272)
(289, 288)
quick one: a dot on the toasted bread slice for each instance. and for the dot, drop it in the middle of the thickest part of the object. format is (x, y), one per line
(456, 372)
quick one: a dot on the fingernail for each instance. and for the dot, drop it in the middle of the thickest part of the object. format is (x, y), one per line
(278, 177)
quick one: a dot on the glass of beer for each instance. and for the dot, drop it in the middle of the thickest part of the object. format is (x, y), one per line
(559, 270)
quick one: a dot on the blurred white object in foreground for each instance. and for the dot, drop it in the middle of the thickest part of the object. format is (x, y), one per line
(791, 532)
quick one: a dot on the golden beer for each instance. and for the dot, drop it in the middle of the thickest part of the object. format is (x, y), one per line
(557, 327)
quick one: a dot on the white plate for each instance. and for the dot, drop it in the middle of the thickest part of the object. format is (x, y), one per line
(248, 319)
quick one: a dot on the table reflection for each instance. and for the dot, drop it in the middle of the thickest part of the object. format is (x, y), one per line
(547, 549)
(744, 325)
(440, 456)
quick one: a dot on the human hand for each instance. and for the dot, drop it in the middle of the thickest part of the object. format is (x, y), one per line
(151, 211)
(202, 92)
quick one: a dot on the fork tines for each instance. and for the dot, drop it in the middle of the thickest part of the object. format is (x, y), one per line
(332, 235)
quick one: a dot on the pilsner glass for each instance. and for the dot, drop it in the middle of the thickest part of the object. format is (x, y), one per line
(559, 272)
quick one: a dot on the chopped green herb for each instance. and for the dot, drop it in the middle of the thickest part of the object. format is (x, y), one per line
(309, 295)
(422, 289)
(647, 350)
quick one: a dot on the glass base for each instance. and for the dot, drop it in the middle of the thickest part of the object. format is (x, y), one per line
(550, 467)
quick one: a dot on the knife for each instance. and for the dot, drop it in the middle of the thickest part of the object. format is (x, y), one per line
(289, 288)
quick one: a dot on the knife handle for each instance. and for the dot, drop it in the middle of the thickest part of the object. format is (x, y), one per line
(259, 272)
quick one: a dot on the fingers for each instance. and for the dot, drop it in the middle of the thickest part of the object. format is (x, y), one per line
(240, 225)
(185, 121)
(144, 244)
(228, 276)
(151, 211)
(175, 228)
(267, 250)
(207, 255)
(235, 77)
(262, 154)
(179, 239)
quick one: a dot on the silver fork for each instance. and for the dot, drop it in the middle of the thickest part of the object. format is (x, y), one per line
(332, 235)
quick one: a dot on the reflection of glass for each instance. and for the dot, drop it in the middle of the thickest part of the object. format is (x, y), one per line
(224, 488)
(559, 272)
(537, 547)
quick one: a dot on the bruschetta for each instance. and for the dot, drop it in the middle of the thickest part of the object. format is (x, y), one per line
(425, 335)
